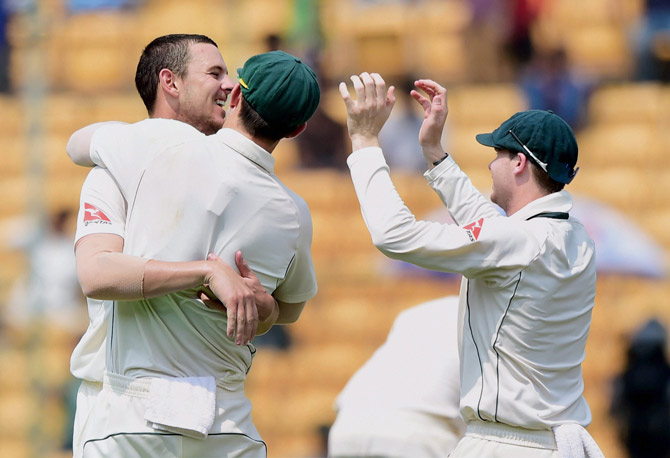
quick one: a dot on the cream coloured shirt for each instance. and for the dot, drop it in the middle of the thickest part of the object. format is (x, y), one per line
(102, 210)
(189, 195)
(526, 298)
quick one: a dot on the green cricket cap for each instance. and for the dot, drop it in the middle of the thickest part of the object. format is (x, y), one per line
(280, 87)
(543, 136)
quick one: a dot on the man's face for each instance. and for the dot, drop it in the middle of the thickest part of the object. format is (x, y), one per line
(502, 177)
(206, 86)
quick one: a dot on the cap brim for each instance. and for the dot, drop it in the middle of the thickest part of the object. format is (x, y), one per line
(486, 140)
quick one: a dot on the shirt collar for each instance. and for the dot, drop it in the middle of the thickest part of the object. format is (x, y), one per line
(555, 202)
(247, 148)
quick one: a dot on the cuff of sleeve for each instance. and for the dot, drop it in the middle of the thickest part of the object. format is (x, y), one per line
(369, 155)
(443, 167)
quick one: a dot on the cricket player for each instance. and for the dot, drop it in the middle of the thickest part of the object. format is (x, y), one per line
(173, 73)
(529, 277)
(174, 375)
(403, 402)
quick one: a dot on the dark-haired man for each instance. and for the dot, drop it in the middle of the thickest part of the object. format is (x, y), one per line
(190, 195)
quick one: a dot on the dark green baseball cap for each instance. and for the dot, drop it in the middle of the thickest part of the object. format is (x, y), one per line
(280, 87)
(543, 136)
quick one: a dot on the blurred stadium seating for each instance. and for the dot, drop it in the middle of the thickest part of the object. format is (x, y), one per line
(88, 66)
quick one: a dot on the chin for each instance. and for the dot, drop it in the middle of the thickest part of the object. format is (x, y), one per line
(214, 127)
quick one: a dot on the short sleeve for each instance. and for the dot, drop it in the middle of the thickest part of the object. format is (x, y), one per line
(102, 208)
(119, 149)
(126, 150)
(300, 281)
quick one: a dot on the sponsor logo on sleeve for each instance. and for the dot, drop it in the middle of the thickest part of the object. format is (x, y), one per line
(473, 229)
(93, 215)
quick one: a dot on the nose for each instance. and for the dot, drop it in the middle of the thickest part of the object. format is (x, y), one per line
(227, 84)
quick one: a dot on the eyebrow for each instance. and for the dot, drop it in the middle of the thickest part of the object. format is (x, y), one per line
(217, 67)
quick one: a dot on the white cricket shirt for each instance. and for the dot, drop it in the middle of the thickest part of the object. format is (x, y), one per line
(415, 369)
(189, 195)
(102, 210)
(404, 401)
(526, 298)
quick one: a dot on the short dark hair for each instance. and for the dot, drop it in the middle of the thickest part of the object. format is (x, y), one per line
(167, 51)
(541, 177)
(259, 127)
(544, 180)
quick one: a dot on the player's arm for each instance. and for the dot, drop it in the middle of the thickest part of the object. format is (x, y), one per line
(289, 312)
(79, 145)
(267, 306)
(106, 273)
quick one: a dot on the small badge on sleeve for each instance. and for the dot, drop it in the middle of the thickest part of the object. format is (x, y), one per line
(93, 214)
(473, 229)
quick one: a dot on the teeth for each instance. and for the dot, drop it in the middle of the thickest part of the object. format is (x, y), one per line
(220, 103)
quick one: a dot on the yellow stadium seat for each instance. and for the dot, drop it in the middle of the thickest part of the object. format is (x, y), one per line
(13, 116)
(638, 145)
(96, 51)
(626, 103)
(16, 411)
(484, 105)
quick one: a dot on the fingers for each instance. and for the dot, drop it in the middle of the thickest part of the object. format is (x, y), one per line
(251, 322)
(344, 92)
(359, 88)
(368, 87)
(231, 328)
(242, 265)
(423, 101)
(390, 96)
(436, 93)
(430, 87)
(241, 331)
(242, 322)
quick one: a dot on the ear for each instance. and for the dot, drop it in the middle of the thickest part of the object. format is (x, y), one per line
(520, 163)
(167, 81)
(298, 130)
(235, 96)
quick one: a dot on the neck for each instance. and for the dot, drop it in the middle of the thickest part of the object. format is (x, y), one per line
(522, 199)
(163, 111)
(232, 122)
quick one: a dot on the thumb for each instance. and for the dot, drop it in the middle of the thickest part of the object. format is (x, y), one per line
(242, 265)
(423, 101)
(212, 257)
(390, 96)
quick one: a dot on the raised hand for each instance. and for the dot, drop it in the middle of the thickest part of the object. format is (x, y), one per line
(368, 113)
(435, 115)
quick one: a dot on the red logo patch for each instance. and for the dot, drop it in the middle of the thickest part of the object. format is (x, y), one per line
(474, 228)
(93, 213)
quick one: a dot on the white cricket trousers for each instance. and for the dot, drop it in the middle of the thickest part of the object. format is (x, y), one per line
(109, 422)
(392, 433)
(497, 440)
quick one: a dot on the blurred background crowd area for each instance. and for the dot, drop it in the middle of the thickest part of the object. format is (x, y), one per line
(603, 65)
